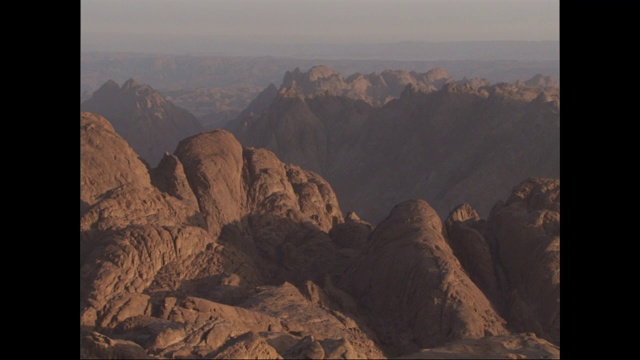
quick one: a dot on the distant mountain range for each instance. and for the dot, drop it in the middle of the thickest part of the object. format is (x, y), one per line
(379, 138)
(386, 137)
(215, 89)
(191, 72)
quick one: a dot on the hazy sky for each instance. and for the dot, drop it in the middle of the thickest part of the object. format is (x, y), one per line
(327, 21)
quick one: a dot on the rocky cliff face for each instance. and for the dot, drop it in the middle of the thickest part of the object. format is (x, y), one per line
(412, 286)
(375, 89)
(185, 261)
(226, 252)
(527, 234)
(514, 256)
(439, 140)
(109, 162)
(149, 123)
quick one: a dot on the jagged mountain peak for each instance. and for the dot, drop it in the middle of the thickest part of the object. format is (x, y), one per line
(320, 72)
(131, 83)
(375, 88)
(109, 88)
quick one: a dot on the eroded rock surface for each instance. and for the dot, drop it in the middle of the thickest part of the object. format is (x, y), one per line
(226, 252)
(413, 288)
(514, 256)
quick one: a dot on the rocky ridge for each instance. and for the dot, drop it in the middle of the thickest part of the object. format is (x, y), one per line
(375, 88)
(226, 252)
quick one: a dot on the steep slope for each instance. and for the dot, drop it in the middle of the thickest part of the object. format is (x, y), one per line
(412, 287)
(466, 142)
(514, 256)
(149, 123)
(527, 233)
(469, 237)
(109, 162)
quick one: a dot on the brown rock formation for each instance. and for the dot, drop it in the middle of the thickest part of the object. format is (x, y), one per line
(151, 124)
(212, 222)
(98, 346)
(352, 234)
(107, 160)
(230, 182)
(313, 322)
(223, 251)
(247, 346)
(412, 286)
(169, 177)
(527, 232)
(514, 256)
(466, 234)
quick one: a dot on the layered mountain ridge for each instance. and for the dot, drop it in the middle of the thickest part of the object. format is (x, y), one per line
(226, 252)
(375, 88)
(435, 138)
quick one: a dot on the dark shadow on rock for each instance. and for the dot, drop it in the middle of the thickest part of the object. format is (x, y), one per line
(84, 206)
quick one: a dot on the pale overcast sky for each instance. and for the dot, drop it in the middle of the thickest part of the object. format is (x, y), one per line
(327, 21)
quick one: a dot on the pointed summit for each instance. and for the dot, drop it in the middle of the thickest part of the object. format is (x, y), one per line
(131, 83)
(107, 89)
(110, 84)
